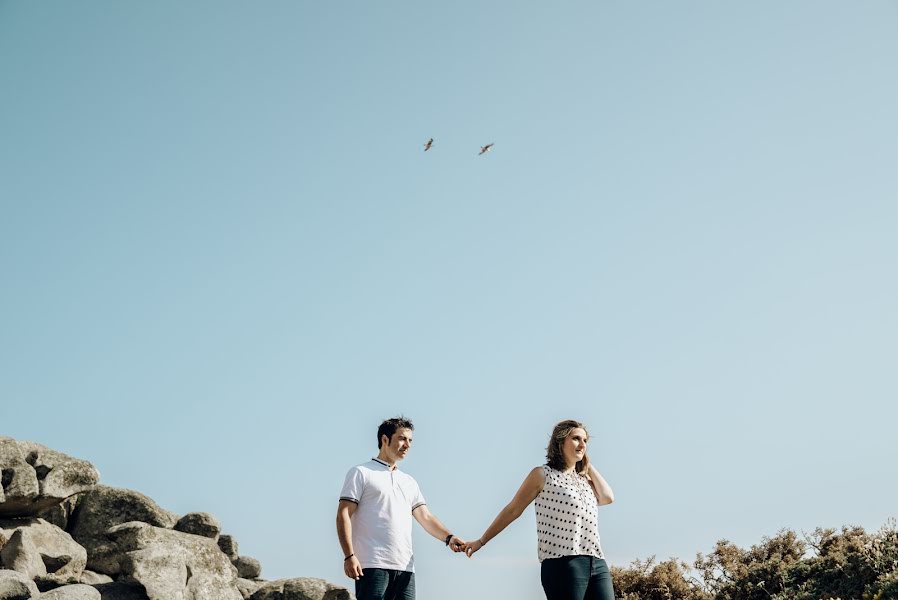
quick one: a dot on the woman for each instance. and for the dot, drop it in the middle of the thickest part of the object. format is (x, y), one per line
(568, 491)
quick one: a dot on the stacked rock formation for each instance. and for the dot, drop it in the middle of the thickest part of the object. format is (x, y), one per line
(63, 536)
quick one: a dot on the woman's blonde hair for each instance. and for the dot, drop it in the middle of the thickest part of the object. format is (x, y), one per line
(554, 454)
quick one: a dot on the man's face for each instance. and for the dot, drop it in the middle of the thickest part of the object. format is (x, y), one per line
(399, 444)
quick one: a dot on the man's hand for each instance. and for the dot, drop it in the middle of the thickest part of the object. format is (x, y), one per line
(456, 544)
(352, 568)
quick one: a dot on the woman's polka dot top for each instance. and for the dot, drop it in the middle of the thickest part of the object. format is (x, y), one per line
(567, 516)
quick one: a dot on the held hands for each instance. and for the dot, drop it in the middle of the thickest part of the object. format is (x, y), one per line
(456, 544)
(473, 547)
(352, 567)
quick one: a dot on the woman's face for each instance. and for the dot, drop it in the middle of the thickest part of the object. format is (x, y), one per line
(574, 446)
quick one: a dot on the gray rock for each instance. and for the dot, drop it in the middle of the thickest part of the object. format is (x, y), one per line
(228, 545)
(18, 484)
(104, 507)
(16, 586)
(248, 567)
(199, 523)
(301, 588)
(91, 578)
(104, 559)
(121, 591)
(172, 565)
(59, 514)
(248, 587)
(77, 591)
(61, 558)
(34, 478)
(20, 554)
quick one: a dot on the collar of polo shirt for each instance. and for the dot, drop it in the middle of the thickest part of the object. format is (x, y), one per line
(387, 465)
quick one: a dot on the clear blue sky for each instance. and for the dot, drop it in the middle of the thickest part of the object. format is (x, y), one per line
(225, 258)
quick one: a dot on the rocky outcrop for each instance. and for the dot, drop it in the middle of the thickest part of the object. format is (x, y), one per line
(248, 567)
(105, 507)
(42, 551)
(199, 523)
(34, 478)
(91, 578)
(77, 591)
(301, 588)
(60, 514)
(121, 591)
(16, 586)
(248, 587)
(20, 554)
(64, 534)
(172, 565)
(228, 545)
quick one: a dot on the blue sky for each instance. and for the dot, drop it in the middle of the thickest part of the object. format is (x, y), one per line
(225, 258)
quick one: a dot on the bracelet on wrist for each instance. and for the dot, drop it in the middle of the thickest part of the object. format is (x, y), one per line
(348, 557)
(448, 539)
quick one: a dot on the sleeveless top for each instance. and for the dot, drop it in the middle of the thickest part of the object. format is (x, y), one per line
(567, 514)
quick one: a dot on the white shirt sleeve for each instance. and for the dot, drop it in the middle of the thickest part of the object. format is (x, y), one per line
(417, 497)
(353, 485)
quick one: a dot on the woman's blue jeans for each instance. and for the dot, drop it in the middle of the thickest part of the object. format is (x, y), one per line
(577, 578)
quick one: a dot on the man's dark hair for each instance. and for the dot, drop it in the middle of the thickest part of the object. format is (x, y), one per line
(389, 427)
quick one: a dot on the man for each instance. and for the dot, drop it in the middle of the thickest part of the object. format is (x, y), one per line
(374, 519)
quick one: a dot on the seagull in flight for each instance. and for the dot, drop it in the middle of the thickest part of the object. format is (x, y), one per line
(485, 149)
(428, 144)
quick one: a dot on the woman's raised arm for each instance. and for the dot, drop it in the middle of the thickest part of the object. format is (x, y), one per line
(604, 493)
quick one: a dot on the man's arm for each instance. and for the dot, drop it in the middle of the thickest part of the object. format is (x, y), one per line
(433, 526)
(351, 565)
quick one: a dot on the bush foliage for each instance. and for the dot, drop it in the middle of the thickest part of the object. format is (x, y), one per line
(827, 564)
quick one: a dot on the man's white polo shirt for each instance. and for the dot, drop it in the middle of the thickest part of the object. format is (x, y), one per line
(382, 523)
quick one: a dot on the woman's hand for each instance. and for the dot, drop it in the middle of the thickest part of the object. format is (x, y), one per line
(473, 547)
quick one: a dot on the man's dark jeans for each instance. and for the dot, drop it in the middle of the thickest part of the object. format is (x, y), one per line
(385, 584)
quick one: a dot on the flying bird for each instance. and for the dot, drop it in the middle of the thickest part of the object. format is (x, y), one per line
(428, 144)
(485, 149)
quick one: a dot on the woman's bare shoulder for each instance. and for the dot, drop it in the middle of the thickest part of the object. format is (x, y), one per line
(537, 474)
